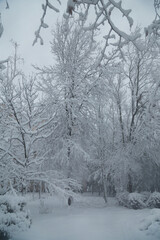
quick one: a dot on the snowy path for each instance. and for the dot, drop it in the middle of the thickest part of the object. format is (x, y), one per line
(88, 220)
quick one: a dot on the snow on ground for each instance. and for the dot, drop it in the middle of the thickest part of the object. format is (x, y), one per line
(151, 224)
(86, 219)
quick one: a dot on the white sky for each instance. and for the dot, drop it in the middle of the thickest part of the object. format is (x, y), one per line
(23, 17)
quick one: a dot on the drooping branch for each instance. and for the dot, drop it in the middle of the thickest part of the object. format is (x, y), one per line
(102, 16)
(12, 155)
(42, 23)
(103, 20)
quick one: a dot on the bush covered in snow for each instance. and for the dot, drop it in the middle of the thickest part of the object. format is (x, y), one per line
(13, 216)
(154, 200)
(122, 199)
(146, 196)
(131, 200)
(139, 200)
(136, 201)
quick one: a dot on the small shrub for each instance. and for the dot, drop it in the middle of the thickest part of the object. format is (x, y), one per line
(154, 200)
(13, 216)
(146, 196)
(136, 201)
(131, 200)
(122, 199)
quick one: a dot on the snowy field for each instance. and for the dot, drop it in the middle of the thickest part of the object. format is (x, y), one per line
(87, 219)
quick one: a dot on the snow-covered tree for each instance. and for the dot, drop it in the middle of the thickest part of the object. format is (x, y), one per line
(24, 133)
(66, 86)
(20, 118)
(132, 89)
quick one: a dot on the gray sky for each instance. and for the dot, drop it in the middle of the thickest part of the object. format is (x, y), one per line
(22, 19)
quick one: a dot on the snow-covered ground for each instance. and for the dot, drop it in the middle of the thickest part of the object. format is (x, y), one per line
(87, 219)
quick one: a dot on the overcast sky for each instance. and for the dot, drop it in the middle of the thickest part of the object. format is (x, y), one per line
(22, 19)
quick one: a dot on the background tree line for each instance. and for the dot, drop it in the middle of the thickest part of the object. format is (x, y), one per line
(78, 123)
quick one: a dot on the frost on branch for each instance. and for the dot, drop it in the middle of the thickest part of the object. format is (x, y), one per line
(153, 28)
(52, 7)
(42, 23)
(103, 13)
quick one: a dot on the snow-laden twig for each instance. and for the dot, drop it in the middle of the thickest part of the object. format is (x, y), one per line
(42, 23)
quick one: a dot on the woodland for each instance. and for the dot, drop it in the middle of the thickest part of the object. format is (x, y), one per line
(89, 122)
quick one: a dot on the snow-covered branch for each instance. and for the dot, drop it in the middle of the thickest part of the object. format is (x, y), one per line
(42, 22)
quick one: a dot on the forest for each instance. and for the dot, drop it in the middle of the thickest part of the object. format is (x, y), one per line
(87, 123)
